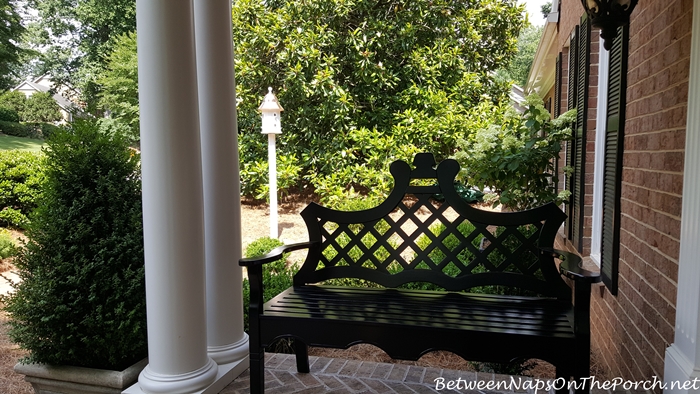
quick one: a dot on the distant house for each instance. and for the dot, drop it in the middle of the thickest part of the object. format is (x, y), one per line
(44, 84)
(517, 98)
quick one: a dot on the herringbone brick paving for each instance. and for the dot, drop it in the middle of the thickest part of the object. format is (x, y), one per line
(348, 376)
(330, 375)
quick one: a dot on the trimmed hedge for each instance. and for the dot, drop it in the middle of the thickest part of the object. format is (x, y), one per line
(8, 115)
(28, 130)
(21, 175)
(81, 300)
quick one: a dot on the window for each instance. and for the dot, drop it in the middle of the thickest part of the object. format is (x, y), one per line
(612, 170)
(579, 62)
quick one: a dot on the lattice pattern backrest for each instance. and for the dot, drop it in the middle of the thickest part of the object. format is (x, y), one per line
(411, 237)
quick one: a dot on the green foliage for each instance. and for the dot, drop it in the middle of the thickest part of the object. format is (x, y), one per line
(27, 130)
(255, 175)
(7, 245)
(11, 30)
(13, 100)
(515, 160)
(519, 68)
(21, 176)
(277, 276)
(11, 217)
(41, 107)
(119, 84)
(81, 299)
(76, 37)
(17, 129)
(8, 115)
(546, 9)
(365, 83)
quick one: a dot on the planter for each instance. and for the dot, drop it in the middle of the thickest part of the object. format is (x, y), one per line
(60, 379)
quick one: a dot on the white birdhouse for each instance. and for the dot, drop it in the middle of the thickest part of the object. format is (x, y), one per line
(271, 111)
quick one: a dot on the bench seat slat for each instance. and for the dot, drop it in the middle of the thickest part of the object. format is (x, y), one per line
(316, 302)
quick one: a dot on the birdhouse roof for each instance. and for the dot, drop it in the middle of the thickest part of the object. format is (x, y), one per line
(270, 103)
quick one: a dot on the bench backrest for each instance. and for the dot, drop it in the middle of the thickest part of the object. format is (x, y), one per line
(412, 237)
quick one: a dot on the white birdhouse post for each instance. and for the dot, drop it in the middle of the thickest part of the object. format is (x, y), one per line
(271, 110)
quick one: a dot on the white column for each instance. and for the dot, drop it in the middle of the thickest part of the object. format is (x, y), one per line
(227, 342)
(683, 356)
(172, 201)
(272, 163)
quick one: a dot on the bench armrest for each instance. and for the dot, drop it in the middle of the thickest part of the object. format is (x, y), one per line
(571, 266)
(275, 254)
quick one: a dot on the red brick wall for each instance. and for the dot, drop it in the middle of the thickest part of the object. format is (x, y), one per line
(631, 331)
(570, 12)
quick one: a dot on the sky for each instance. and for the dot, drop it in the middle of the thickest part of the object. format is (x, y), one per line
(534, 10)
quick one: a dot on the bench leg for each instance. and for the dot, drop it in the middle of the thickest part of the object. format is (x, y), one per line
(257, 372)
(302, 354)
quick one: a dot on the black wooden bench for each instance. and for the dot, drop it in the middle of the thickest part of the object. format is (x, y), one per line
(412, 239)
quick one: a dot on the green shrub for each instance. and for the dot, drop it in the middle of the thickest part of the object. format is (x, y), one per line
(7, 245)
(10, 217)
(21, 175)
(516, 159)
(18, 129)
(81, 298)
(46, 130)
(8, 115)
(14, 100)
(277, 276)
(40, 107)
(28, 130)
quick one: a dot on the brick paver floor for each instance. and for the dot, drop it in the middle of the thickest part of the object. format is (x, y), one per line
(351, 376)
(363, 377)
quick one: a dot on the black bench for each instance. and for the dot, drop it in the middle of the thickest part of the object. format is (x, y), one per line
(455, 247)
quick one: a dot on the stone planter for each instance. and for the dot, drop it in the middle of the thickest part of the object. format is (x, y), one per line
(49, 379)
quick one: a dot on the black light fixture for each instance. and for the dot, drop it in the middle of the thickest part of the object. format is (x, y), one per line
(608, 15)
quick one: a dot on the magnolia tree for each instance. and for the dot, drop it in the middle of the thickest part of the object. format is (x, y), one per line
(362, 83)
(365, 82)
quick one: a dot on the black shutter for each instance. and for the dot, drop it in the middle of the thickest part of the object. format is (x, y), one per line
(557, 112)
(557, 87)
(571, 104)
(612, 172)
(578, 189)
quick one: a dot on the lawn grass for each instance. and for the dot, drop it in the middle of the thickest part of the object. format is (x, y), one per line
(8, 142)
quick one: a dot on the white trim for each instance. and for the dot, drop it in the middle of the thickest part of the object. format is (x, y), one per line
(599, 161)
(541, 77)
(683, 356)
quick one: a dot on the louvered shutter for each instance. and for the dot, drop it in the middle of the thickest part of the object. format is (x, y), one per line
(557, 87)
(571, 104)
(612, 171)
(579, 157)
(557, 112)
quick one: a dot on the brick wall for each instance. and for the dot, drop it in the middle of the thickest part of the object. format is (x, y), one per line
(631, 331)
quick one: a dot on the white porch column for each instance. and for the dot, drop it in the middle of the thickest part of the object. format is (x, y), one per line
(227, 342)
(172, 201)
(683, 356)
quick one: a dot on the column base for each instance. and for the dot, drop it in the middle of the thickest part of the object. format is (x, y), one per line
(192, 382)
(230, 353)
(225, 374)
(679, 370)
